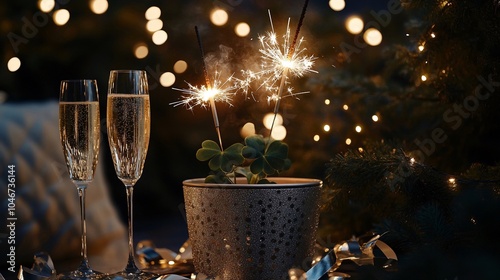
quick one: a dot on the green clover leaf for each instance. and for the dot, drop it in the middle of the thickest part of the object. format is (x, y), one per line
(266, 161)
(223, 160)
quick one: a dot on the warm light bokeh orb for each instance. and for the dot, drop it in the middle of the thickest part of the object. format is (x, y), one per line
(327, 101)
(247, 130)
(375, 118)
(152, 12)
(14, 64)
(337, 5)
(219, 17)
(358, 129)
(316, 138)
(167, 79)
(348, 141)
(326, 127)
(46, 5)
(345, 107)
(423, 78)
(372, 37)
(61, 17)
(279, 132)
(180, 66)
(159, 37)
(99, 7)
(242, 29)
(141, 51)
(268, 120)
(354, 24)
(154, 25)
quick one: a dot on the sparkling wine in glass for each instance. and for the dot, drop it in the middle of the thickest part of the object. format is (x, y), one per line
(128, 122)
(79, 132)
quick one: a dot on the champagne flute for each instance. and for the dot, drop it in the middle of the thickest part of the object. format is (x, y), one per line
(79, 132)
(128, 122)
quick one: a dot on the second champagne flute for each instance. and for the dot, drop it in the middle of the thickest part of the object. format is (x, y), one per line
(128, 122)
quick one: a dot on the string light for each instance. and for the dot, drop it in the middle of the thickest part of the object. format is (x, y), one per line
(46, 5)
(327, 101)
(61, 17)
(354, 24)
(372, 37)
(421, 48)
(152, 12)
(423, 78)
(433, 35)
(348, 141)
(167, 79)
(412, 161)
(358, 129)
(360, 150)
(242, 29)
(180, 66)
(141, 51)
(14, 64)
(248, 129)
(326, 127)
(219, 17)
(99, 7)
(159, 37)
(375, 118)
(345, 107)
(337, 5)
(316, 138)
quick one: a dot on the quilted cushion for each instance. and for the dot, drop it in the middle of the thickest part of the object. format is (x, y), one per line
(47, 204)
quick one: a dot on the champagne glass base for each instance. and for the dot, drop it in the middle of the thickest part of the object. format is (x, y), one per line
(139, 275)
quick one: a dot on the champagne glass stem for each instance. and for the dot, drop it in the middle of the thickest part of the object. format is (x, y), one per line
(84, 266)
(131, 267)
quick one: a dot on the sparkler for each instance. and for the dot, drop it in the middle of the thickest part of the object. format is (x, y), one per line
(208, 94)
(279, 61)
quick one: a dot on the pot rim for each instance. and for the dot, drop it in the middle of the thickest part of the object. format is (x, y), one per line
(281, 182)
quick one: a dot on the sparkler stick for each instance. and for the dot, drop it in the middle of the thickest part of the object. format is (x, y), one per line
(209, 87)
(291, 51)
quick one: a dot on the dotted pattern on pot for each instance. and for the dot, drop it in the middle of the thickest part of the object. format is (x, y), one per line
(251, 233)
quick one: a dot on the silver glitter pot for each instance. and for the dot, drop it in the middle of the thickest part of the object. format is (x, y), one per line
(252, 231)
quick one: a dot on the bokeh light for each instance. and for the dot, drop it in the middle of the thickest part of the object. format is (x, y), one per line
(358, 128)
(326, 127)
(375, 118)
(154, 25)
(219, 17)
(354, 24)
(279, 132)
(423, 78)
(180, 66)
(46, 5)
(14, 64)
(152, 12)
(337, 5)
(247, 130)
(372, 37)
(268, 120)
(61, 17)
(327, 101)
(242, 29)
(141, 51)
(348, 141)
(345, 107)
(316, 138)
(99, 6)
(159, 37)
(167, 79)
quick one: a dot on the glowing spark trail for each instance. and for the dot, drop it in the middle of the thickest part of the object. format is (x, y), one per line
(208, 94)
(279, 61)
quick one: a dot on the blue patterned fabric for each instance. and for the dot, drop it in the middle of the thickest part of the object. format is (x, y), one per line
(46, 201)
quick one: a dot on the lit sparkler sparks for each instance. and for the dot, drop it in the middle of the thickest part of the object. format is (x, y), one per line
(278, 60)
(220, 91)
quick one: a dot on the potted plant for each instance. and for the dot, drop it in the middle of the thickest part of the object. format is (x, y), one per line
(243, 223)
